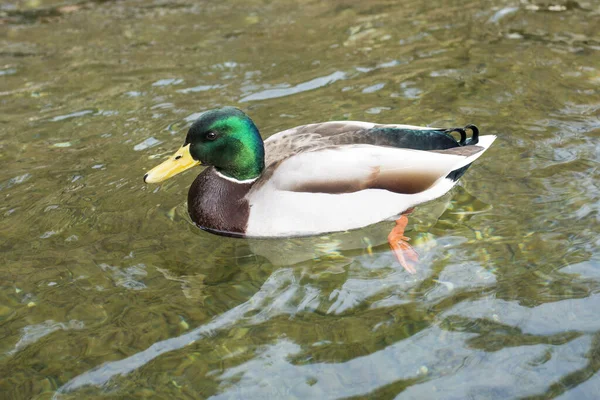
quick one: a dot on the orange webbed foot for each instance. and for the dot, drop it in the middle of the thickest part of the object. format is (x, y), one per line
(404, 252)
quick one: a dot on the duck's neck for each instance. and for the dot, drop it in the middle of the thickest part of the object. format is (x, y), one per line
(252, 178)
(243, 172)
(218, 203)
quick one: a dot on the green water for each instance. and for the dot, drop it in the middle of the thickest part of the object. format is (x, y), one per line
(108, 291)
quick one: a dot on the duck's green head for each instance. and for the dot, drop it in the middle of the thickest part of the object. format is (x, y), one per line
(225, 138)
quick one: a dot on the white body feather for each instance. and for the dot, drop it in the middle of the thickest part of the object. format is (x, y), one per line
(277, 210)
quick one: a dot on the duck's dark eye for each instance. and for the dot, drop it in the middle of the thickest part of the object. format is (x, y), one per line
(211, 135)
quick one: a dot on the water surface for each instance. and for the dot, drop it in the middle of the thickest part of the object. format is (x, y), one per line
(108, 290)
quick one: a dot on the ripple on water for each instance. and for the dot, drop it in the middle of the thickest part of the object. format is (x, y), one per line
(168, 82)
(76, 114)
(299, 88)
(200, 88)
(33, 333)
(126, 277)
(15, 181)
(146, 144)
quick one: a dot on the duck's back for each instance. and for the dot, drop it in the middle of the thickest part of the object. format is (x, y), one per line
(322, 135)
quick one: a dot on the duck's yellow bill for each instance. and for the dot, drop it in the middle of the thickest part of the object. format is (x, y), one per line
(177, 163)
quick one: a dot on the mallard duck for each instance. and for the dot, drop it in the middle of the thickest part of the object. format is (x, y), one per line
(317, 178)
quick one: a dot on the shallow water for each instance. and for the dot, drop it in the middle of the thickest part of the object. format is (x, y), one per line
(107, 290)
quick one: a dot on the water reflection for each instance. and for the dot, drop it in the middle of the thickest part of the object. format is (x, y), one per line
(436, 358)
(467, 340)
(330, 275)
(276, 286)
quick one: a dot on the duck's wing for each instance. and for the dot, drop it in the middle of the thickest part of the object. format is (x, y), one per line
(322, 135)
(355, 167)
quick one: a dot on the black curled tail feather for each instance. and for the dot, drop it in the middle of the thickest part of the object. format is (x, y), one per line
(474, 135)
(457, 173)
(463, 134)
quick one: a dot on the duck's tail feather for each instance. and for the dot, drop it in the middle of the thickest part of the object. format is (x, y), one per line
(485, 142)
(463, 134)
